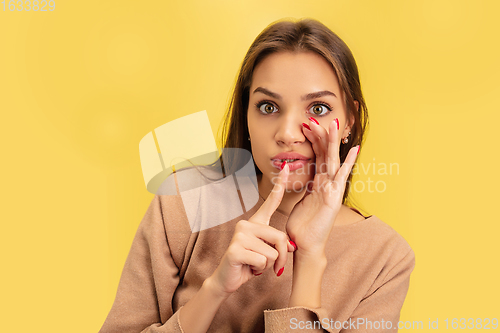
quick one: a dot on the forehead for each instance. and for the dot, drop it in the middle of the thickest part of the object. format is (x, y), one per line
(298, 71)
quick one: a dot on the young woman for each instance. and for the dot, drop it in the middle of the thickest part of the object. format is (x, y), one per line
(300, 259)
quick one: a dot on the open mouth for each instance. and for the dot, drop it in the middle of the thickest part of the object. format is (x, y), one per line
(289, 160)
(293, 164)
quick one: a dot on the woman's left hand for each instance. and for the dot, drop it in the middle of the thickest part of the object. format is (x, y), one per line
(312, 219)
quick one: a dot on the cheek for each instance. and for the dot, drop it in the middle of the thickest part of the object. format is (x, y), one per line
(259, 152)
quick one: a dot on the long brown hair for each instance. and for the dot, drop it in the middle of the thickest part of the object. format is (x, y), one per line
(302, 35)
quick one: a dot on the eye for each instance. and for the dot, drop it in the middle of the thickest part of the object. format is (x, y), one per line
(320, 109)
(266, 107)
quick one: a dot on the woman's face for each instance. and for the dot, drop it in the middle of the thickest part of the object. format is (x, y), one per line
(288, 88)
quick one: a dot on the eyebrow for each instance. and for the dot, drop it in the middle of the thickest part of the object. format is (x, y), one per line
(309, 96)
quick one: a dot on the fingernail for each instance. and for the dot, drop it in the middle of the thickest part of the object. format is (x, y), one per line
(257, 274)
(282, 165)
(337, 120)
(313, 120)
(293, 244)
(306, 126)
(358, 150)
(281, 271)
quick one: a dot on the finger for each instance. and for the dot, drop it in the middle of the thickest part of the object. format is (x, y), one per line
(333, 150)
(347, 166)
(269, 235)
(318, 149)
(273, 201)
(322, 145)
(279, 240)
(280, 262)
(254, 272)
(257, 245)
(291, 248)
(256, 261)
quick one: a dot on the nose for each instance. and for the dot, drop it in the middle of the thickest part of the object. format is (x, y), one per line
(289, 130)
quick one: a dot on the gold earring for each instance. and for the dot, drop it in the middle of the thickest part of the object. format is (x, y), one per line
(346, 140)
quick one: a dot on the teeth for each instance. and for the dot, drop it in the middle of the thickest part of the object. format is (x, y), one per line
(289, 160)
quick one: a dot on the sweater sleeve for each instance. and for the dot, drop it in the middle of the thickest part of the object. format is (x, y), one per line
(149, 275)
(379, 311)
(296, 319)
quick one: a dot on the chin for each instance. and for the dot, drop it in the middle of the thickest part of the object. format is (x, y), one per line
(297, 179)
(297, 183)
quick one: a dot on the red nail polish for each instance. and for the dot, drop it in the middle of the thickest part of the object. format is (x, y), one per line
(257, 274)
(358, 150)
(313, 120)
(337, 120)
(293, 244)
(306, 126)
(282, 165)
(281, 271)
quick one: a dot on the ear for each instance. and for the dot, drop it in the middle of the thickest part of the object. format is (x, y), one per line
(357, 105)
(350, 122)
(352, 119)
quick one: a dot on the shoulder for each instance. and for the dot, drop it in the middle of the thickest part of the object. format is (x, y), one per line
(371, 229)
(374, 243)
(393, 259)
(380, 232)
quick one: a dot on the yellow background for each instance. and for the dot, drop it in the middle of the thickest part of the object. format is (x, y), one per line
(80, 86)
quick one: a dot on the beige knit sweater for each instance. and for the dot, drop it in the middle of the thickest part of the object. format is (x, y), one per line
(364, 284)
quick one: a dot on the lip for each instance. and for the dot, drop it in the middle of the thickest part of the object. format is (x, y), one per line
(292, 165)
(290, 155)
(301, 160)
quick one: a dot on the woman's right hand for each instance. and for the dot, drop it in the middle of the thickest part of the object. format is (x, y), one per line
(255, 246)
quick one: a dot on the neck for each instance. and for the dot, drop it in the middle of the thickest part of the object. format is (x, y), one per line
(290, 198)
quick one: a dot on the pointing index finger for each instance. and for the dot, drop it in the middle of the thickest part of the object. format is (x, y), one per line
(263, 215)
(333, 159)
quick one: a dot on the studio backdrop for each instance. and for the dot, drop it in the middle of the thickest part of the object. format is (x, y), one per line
(83, 82)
